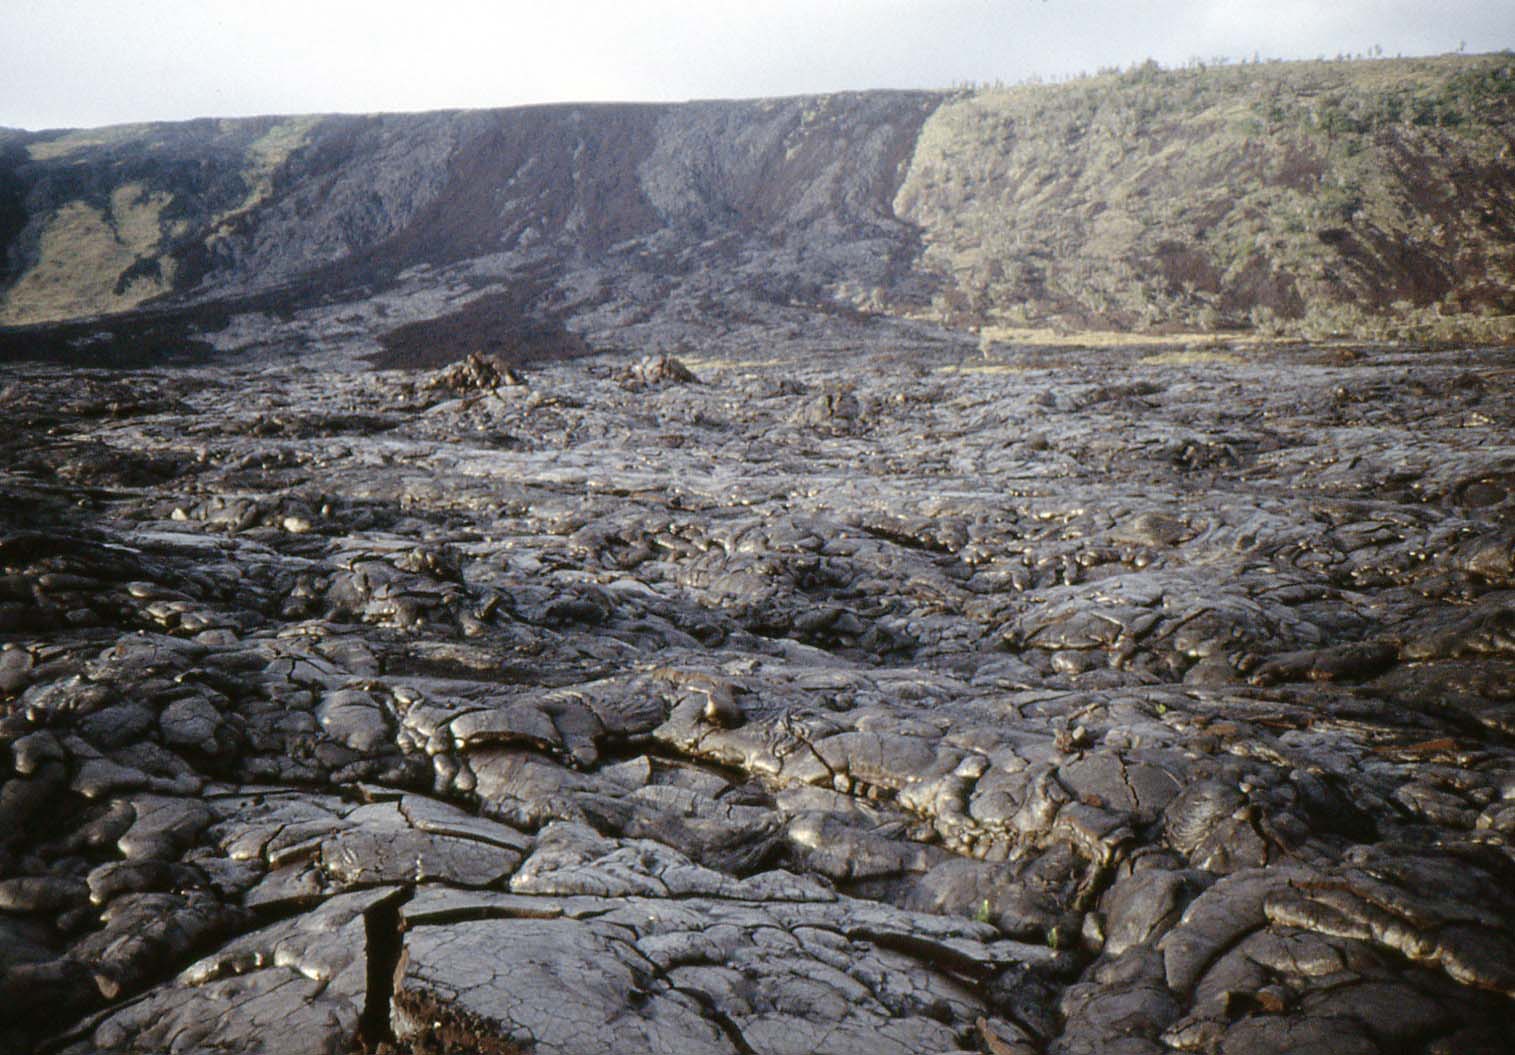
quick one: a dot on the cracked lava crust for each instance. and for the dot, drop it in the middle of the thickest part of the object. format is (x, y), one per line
(864, 700)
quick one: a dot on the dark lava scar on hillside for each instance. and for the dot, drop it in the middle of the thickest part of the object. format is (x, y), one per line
(496, 324)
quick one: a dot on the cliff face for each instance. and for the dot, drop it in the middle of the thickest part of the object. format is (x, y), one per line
(1356, 197)
(1375, 198)
(606, 213)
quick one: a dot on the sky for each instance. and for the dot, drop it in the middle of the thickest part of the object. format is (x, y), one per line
(82, 63)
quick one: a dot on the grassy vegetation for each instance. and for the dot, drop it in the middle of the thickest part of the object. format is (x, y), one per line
(1372, 199)
(97, 255)
(73, 142)
(87, 259)
(264, 156)
(992, 337)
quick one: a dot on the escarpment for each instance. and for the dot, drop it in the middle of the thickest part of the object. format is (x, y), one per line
(1368, 199)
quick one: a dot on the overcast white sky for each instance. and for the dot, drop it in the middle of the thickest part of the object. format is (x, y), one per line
(92, 62)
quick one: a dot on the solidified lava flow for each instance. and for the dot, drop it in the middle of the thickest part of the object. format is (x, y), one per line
(853, 700)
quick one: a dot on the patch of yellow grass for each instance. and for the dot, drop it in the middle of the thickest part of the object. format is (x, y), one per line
(1114, 338)
(83, 252)
(264, 156)
(729, 364)
(1191, 357)
(71, 142)
(983, 368)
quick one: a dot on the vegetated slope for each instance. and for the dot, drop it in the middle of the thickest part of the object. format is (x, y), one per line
(1371, 198)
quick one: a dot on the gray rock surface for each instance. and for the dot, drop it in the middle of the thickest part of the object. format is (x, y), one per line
(866, 700)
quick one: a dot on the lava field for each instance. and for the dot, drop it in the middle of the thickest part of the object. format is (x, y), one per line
(856, 701)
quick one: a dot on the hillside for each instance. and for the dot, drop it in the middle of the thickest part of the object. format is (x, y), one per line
(1372, 199)
(487, 227)
(1368, 198)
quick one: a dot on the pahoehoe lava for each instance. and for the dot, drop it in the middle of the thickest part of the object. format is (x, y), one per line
(1082, 701)
(730, 656)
